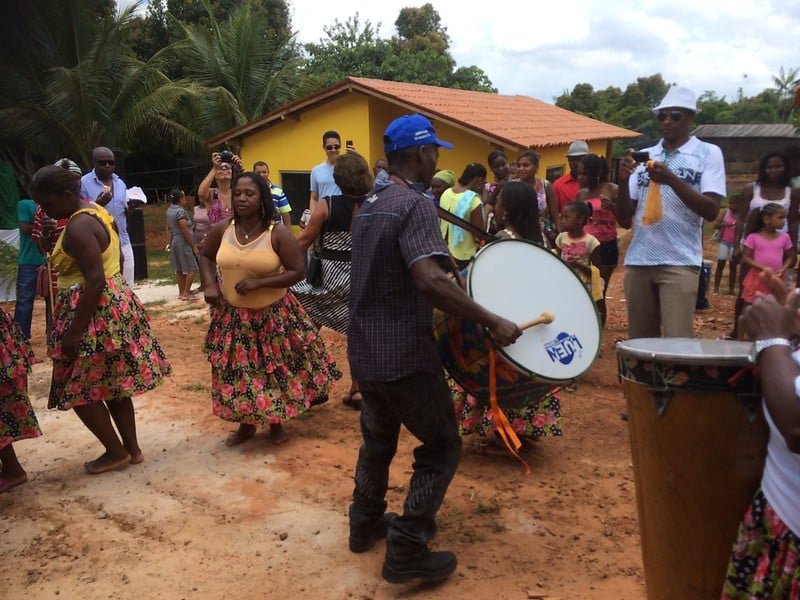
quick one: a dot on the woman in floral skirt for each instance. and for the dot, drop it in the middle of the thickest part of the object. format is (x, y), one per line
(102, 347)
(268, 361)
(17, 419)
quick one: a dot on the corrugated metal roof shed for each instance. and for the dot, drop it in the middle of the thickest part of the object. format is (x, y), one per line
(768, 130)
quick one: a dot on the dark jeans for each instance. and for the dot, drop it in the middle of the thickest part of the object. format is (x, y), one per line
(422, 403)
(26, 294)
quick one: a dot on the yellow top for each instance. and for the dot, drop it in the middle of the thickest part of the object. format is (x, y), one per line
(242, 261)
(68, 272)
(465, 247)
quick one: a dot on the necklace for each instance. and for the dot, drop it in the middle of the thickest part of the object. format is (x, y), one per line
(247, 234)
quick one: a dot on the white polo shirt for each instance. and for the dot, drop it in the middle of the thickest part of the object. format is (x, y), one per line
(676, 240)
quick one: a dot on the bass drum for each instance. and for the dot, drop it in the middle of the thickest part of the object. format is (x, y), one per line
(519, 280)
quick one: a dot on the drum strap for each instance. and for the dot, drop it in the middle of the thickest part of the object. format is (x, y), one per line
(504, 428)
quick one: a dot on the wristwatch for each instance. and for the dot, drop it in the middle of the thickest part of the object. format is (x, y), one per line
(760, 345)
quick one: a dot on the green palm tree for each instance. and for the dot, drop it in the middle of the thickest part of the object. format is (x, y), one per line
(235, 70)
(786, 81)
(70, 84)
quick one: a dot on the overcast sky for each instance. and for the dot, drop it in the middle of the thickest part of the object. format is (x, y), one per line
(541, 49)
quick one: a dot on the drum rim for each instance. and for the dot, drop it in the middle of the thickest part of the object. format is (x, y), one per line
(501, 350)
(625, 349)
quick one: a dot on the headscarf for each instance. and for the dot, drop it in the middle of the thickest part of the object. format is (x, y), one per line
(447, 176)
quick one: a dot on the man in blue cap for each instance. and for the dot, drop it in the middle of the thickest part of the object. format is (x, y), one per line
(397, 277)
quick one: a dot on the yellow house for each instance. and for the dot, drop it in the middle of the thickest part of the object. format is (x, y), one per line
(359, 109)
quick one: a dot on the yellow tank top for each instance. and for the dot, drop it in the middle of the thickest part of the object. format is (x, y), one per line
(241, 261)
(68, 272)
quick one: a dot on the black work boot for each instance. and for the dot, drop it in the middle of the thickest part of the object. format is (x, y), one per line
(424, 564)
(363, 537)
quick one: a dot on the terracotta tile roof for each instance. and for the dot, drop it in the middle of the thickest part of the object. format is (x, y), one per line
(516, 121)
(521, 120)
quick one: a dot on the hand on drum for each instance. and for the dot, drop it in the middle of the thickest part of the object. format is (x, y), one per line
(777, 315)
(503, 331)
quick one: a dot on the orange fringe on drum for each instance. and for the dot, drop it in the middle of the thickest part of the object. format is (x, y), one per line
(504, 428)
(653, 210)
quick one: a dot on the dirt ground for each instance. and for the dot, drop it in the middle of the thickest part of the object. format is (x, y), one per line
(199, 520)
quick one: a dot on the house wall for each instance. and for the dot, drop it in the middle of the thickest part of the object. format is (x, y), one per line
(292, 147)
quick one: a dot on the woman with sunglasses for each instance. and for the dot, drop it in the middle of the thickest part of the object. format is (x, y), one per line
(772, 185)
(218, 199)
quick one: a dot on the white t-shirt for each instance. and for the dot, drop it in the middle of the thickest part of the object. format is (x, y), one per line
(676, 240)
(781, 480)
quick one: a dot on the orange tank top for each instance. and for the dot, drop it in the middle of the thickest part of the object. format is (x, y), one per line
(254, 259)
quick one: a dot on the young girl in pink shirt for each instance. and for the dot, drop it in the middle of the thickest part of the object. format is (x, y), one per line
(765, 246)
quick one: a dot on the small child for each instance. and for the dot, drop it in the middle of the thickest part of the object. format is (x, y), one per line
(765, 246)
(580, 249)
(726, 230)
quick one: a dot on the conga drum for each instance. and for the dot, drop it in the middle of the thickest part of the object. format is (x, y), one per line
(518, 280)
(699, 441)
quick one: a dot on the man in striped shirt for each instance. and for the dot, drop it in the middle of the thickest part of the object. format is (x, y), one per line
(283, 210)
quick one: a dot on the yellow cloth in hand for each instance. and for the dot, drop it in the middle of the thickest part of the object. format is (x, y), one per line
(653, 210)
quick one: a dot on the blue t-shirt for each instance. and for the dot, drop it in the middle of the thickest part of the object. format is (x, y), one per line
(676, 240)
(28, 252)
(322, 181)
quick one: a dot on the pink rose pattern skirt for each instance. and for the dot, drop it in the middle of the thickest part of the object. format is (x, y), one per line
(118, 356)
(17, 419)
(765, 562)
(267, 365)
(538, 418)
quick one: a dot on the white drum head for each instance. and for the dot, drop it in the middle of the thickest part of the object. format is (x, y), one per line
(518, 280)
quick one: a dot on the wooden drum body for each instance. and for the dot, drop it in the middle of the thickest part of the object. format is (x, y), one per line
(699, 441)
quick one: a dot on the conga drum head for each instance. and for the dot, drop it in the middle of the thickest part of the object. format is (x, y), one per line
(518, 280)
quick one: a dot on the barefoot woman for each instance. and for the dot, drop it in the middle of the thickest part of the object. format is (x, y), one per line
(17, 420)
(102, 347)
(268, 361)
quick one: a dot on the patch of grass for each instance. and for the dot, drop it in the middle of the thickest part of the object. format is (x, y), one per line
(158, 268)
(155, 303)
(195, 387)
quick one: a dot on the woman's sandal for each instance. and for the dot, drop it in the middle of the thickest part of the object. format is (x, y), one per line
(353, 400)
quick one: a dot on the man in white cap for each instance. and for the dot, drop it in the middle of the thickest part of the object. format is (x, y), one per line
(663, 262)
(567, 186)
(396, 279)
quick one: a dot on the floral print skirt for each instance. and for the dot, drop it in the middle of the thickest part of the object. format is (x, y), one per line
(268, 364)
(536, 418)
(118, 356)
(765, 562)
(17, 419)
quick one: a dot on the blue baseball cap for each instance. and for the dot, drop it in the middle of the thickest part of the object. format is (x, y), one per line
(409, 131)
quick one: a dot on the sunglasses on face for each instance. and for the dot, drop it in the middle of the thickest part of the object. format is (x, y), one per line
(333, 147)
(105, 163)
(674, 115)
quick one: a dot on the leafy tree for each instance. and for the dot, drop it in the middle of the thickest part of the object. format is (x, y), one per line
(419, 53)
(71, 83)
(235, 70)
(349, 48)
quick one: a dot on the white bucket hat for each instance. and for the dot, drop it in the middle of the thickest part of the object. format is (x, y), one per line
(678, 97)
(578, 148)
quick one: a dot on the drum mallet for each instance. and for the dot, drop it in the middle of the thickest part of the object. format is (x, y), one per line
(543, 319)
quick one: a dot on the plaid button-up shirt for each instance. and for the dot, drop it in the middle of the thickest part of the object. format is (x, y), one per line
(390, 331)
